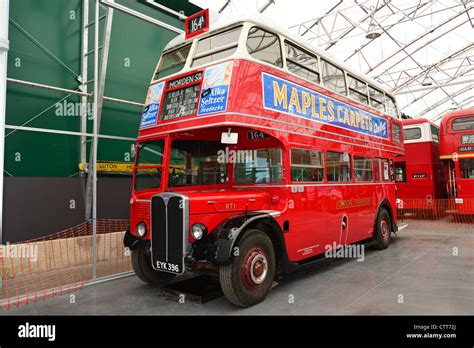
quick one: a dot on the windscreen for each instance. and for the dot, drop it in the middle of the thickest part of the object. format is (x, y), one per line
(172, 62)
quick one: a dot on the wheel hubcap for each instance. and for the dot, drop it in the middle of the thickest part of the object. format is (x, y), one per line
(254, 268)
(384, 230)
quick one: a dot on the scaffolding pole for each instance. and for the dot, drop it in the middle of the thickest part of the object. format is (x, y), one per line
(70, 91)
(93, 171)
(83, 78)
(4, 46)
(141, 16)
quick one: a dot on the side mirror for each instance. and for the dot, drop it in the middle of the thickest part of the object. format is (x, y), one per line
(229, 138)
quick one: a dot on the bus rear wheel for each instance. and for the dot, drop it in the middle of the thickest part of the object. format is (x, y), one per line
(383, 229)
(141, 263)
(249, 278)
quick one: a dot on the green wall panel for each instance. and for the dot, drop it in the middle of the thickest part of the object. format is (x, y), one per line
(56, 24)
(41, 154)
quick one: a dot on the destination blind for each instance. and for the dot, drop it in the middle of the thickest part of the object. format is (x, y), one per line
(180, 102)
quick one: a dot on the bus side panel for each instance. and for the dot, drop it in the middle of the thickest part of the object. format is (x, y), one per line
(314, 222)
(362, 214)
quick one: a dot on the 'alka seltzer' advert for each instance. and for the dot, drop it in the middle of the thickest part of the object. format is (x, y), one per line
(215, 88)
(152, 105)
(284, 96)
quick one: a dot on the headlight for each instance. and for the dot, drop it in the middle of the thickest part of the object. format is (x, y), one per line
(198, 230)
(141, 229)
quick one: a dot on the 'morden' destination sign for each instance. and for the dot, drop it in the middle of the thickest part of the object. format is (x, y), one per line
(180, 102)
(287, 97)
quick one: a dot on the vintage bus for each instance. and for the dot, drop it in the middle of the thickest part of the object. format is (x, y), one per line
(256, 155)
(457, 153)
(418, 174)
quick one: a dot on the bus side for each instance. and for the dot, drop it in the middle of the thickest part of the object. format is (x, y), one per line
(341, 206)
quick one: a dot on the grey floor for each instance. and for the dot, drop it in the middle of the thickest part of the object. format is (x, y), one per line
(417, 274)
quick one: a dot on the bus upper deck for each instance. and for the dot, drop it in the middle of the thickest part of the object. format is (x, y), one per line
(248, 73)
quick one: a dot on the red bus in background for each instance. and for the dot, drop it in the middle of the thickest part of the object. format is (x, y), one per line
(457, 154)
(257, 155)
(418, 174)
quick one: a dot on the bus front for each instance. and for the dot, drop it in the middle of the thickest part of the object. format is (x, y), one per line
(418, 173)
(457, 153)
(200, 174)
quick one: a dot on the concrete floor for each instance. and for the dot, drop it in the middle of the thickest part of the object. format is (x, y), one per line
(419, 268)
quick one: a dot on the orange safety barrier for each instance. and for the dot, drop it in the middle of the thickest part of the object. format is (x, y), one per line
(445, 213)
(42, 268)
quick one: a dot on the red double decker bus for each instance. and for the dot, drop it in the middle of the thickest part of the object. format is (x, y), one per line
(457, 153)
(257, 155)
(418, 174)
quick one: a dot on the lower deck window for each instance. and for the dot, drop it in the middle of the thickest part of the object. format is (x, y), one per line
(381, 169)
(307, 165)
(338, 166)
(148, 167)
(467, 168)
(400, 172)
(195, 162)
(259, 167)
(363, 169)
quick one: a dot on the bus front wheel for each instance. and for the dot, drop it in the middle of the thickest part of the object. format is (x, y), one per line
(248, 279)
(141, 262)
(382, 229)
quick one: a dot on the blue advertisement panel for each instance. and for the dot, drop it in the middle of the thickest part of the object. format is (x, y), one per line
(215, 88)
(152, 105)
(287, 97)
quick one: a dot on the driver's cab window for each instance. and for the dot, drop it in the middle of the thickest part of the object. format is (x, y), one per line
(260, 166)
(196, 162)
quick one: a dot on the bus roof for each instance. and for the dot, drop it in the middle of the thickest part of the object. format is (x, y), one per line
(453, 114)
(421, 120)
(269, 25)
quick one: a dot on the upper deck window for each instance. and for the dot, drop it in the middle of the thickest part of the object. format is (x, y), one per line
(172, 62)
(376, 99)
(465, 123)
(302, 63)
(412, 133)
(390, 106)
(216, 47)
(396, 136)
(264, 46)
(357, 89)
(434, 133)
(333, 77)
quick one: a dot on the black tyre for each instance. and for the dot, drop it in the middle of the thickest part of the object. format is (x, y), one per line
(141, 262)
(383, 229)
(249, 278)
